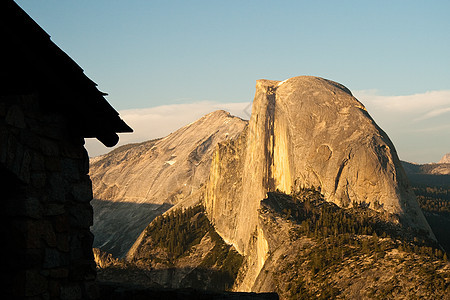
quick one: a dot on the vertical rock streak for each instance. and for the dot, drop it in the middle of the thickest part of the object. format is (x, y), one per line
(269, 140)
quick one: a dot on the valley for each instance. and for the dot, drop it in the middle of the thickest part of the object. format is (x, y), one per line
(307, 199)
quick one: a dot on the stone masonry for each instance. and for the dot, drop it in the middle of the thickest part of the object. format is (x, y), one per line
(47, 214)
(47, 107)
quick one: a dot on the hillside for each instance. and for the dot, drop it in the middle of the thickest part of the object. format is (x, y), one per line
(316, 250)
(135, 183)
(431, 184)
(319, 250)
(177, 250)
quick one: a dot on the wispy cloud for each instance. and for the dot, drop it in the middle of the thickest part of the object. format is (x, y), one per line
(442, 128)
(417, 124)
(425, 109)
(433, 113)
(405, 104)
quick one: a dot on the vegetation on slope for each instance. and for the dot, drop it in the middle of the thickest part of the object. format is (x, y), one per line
(319, 219)
(435, 203)
(179, 230)
(433, 199)
(181, 249)
(332, 250)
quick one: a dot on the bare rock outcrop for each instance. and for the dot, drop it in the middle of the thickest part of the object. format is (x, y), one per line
(164, 170)
(445, 159)
(137, 182)
(304, 131)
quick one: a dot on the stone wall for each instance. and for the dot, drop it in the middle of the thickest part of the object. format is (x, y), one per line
(46, 194)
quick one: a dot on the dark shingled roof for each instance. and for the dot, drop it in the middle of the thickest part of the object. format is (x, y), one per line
(30, 60)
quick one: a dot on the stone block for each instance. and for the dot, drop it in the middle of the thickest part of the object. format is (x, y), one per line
(61, 223)
(28, 102)
(29, 139)
(70, 169)
(32, 208)
(54, 209)
(85, 163)
(32, 259)
(83, 269)
(32, 233)
(72, 150)
(57, 186)
(92, 290)
(4, 137)
(82, 191)
(37, 161)
(38, 179)
(13, 155)
(53, 258)
(24, 172)
(81, 245)
(52, 132)
(76, 250)
(81, 216)
(15, 117)
(62, 241)
(54, 288)
(2, 109)
(59, 273)
(70, 292)
(35, 283)
(52, 164)
(48, 233)
(53, 119)
(49, 147)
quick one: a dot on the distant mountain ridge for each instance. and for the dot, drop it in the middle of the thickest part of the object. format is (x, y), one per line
(435, 174)
(430, 168)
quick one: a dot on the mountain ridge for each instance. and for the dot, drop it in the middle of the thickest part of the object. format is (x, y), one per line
(306, 135)
(135, 183)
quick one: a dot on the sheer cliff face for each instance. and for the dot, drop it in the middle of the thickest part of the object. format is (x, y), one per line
(304, 131)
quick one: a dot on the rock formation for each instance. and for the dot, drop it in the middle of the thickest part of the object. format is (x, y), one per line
(304, 131)
(135, 183)
(307, 265)
(445, 159)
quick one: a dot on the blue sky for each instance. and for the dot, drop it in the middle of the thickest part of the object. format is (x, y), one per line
(146, 54)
